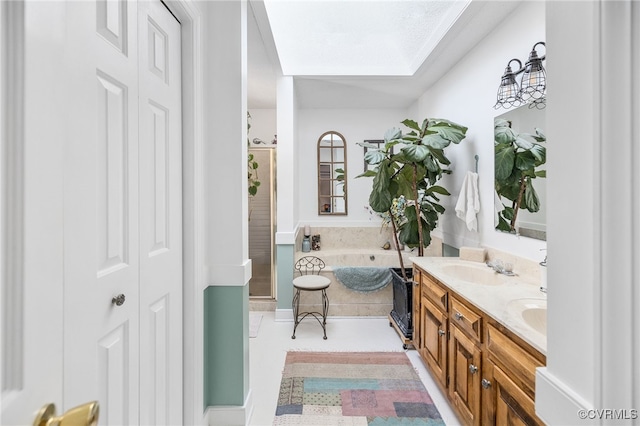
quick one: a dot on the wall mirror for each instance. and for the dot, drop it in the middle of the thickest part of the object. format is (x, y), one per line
(520, 172)
(332, 174)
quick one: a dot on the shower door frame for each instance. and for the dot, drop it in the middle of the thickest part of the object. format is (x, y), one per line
(271, 149)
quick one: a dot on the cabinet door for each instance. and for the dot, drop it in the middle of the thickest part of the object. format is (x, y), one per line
(416, 341)
(434, 340)
(505, 402)
(464, 376)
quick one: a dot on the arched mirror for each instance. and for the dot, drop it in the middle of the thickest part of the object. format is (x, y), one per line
(332, 174)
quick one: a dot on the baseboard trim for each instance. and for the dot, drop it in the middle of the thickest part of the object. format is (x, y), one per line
(284, 315)
(230, 415)
(557, 403)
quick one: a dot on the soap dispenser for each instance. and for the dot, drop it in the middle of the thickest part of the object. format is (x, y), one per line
(543, 274)
(306, 242)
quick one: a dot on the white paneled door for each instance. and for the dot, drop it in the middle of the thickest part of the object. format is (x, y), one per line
(123, 214)
(91, 302)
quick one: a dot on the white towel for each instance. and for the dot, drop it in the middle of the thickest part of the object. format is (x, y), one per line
(498, 208)
(468, 204)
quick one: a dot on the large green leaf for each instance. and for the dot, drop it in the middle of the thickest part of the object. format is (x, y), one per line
(504, 161)
(404, 180)
(501, 122)
(380, 197)
(540, 152)
(415, 153)
(430, 164)
(541, 173)
(531, 198)
(368, 145)
(525, 160)
(435, 140)
(412, 125)
(374, 157)
(391, 134)
(444, 121)
(509, 191)
(504, 135)
(368, 173)
(508, 213)
(503, 225)
(523, 143)
(450, 133)
(437, 189)
(409, 232)
(438, 154)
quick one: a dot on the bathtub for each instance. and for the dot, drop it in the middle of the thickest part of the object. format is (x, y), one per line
(344, 301)
(362, 257)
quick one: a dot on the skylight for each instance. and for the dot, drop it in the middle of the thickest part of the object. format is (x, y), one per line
(358, 37)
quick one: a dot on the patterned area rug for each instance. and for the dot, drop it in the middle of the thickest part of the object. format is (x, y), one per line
(353, 388)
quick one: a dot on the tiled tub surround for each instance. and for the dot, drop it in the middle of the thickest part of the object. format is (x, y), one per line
(365, 238)
(500, 298)
(354, 247)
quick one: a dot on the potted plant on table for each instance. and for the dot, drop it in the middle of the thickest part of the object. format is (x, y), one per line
(411, 173)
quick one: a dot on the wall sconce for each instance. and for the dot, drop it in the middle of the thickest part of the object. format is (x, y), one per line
(532, 85)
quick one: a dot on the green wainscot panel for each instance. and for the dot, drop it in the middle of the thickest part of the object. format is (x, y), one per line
(226, 345)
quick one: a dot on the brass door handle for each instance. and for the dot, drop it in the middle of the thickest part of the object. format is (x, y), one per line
(83, 415)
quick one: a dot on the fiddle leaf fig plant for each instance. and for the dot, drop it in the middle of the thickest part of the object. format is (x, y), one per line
(518, 157)
(412, 173)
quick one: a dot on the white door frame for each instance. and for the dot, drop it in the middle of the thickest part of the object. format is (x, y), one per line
(11, 185)
(194, 279)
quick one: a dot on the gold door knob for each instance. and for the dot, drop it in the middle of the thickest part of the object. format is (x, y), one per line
(83, 415)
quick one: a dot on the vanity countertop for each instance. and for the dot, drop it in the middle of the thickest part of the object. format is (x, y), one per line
(501, 300)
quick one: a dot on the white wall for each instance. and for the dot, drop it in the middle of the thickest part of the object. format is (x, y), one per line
(466, 95)
(355, 125)
(263, 124)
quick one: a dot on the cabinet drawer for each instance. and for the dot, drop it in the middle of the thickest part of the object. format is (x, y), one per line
(434, 292)
(466, 319)
(519, 363)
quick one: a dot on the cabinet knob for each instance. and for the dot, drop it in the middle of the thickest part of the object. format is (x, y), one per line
(458, 316)
(473, 369)
(486, 384)
(441, 332)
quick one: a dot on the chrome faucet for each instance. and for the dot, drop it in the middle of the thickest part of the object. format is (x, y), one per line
(501, 268)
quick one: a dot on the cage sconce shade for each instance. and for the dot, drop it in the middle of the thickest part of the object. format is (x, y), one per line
(532, 85)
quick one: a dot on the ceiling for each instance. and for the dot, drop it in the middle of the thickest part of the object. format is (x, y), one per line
(361, 53)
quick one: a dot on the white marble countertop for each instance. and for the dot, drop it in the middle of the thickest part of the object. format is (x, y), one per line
(499, 300)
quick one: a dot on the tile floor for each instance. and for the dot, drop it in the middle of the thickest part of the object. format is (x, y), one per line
(268, 350)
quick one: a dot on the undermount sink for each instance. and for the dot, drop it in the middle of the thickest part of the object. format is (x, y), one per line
(478, 274)
(532, 312)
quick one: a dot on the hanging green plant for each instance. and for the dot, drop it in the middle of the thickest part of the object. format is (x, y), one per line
(252, 165)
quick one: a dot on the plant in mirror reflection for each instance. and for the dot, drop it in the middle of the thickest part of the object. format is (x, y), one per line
(518, 157)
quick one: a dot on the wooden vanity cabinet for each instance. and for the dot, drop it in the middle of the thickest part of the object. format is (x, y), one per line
(486, 371)
(434, 327)
(465, 361)
(509, 380)
(416, 307)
